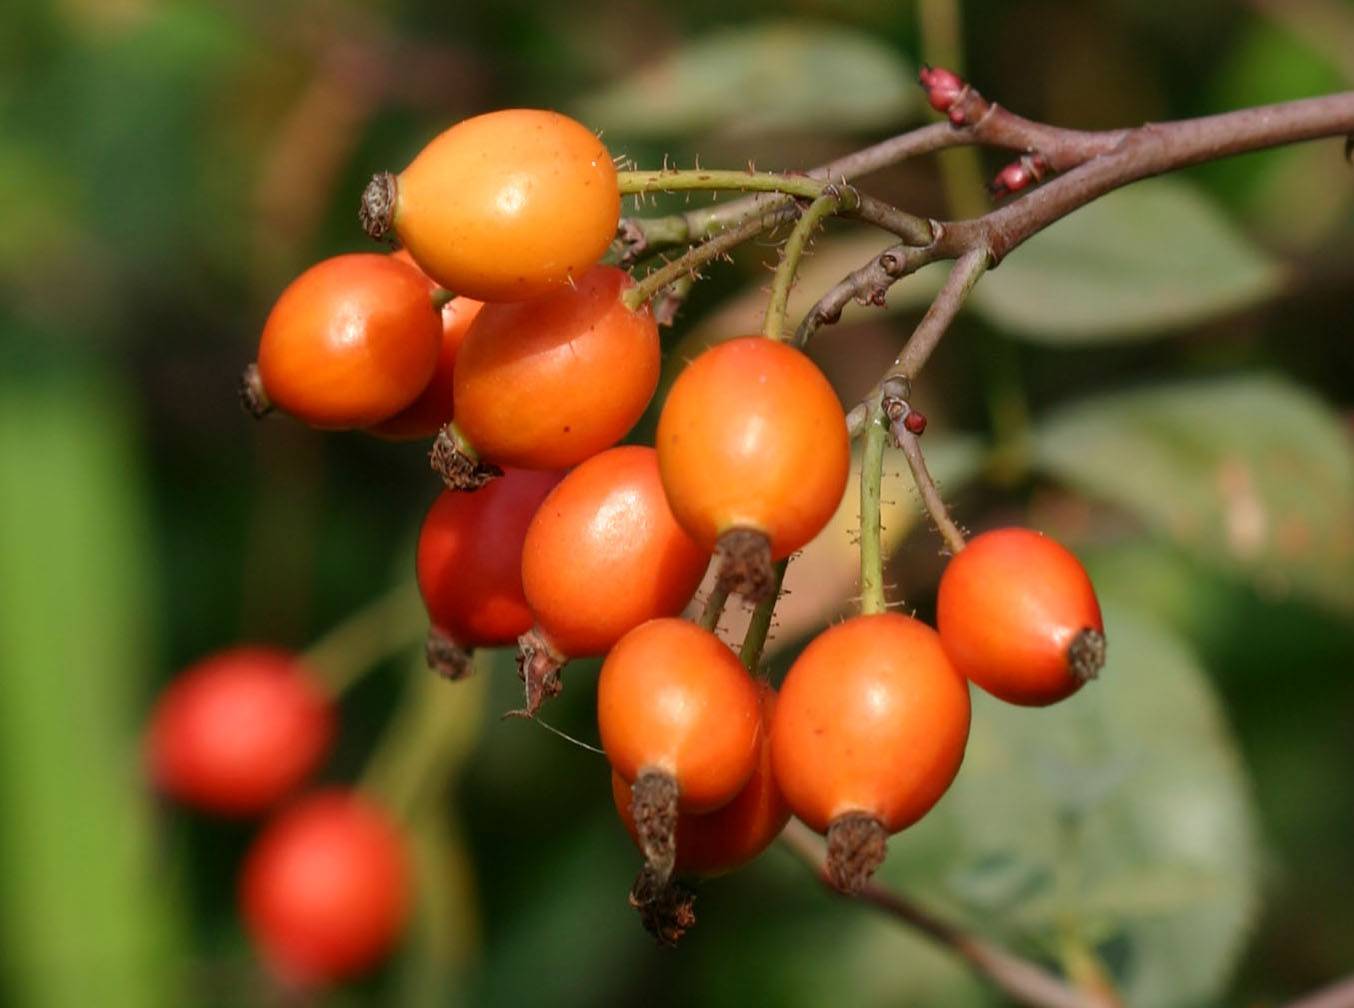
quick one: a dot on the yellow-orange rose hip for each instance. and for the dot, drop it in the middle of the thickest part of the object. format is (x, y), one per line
(503, 206)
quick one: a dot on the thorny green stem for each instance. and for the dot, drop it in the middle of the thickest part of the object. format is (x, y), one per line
(793, 250)
(871, 552)
(754, 641)
(714, 607)
(692, 260)
(701, 179)
(384, 626)
(1019, 979)
(710, 220)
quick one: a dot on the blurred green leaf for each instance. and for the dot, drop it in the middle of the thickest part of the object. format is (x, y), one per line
(84, 920)
(1153, 256)
(1252, 473)
(774, 75)
(1123, 813)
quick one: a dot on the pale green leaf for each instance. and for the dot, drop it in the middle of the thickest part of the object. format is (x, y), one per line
(1251, 473)
(786, 74)
(1151, 257)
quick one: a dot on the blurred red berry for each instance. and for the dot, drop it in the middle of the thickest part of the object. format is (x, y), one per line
(325, 889)
(238, 731)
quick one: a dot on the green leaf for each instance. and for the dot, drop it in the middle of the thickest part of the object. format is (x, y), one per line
(1123, 814)
(1251, 473)
(1154, 256)
(84, 921)
(774, 75)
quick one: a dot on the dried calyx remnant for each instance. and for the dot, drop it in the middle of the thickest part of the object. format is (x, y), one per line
(1086, 654)
(539, 668)
(377, 210)
(459, 469)
(666, 908)
(653, 803)
(252, 396)
(856, 845)
(745, 566)
(445, 657)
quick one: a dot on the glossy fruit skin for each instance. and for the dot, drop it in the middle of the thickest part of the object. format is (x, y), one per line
(469, 560)
(872, 718)
(1010, 604)
(509, 205)
(351, 342)
(436, 405)
(325, 889)
(672, 696)
(239, 730)
(729, 837)
(752, 436)
(603, 554)
(550, 382)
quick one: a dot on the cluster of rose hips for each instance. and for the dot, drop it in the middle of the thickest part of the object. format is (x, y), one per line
(553, 537)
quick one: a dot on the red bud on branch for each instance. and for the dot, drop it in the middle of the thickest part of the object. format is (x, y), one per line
(1018, 175)
(943, 87)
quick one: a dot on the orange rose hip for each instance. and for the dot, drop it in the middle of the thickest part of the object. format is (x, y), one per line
(869, 732)
(753, 450)
(680, 720)
(1018, 615)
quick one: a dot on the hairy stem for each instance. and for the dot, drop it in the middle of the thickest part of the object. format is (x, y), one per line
(871, 552)
(721, 180)
(714, 607)
(693, 259)
(754, 641)
(1019, 979)
(431, 732)
(384, 626)
(930, 496)
(793, 250)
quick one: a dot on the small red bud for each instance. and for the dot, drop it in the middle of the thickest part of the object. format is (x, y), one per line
(943, 88)
(915, 422)
(1011, 179)
(1019, 174)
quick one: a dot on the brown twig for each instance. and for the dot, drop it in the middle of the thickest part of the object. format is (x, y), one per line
(1018, 978)
(897, 410)
(1141, 153)
(869, 285)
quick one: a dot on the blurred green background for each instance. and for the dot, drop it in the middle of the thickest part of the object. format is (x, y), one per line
(1165, 381)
